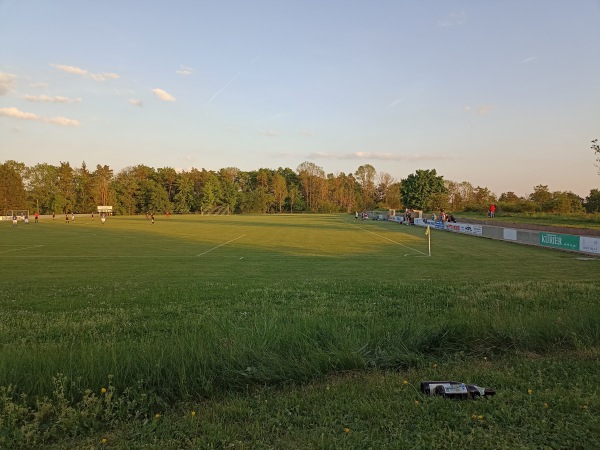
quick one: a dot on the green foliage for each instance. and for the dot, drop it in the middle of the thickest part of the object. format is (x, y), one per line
(592, 201)
(420, 190)
(12, 190)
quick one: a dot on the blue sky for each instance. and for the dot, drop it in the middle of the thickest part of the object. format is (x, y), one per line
(503, 94)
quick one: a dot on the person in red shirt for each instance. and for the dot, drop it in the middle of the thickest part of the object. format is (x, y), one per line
(36, 215)
(492, 210)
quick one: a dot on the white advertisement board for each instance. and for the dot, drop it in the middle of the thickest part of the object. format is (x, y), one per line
(590, 244)
(510, 234)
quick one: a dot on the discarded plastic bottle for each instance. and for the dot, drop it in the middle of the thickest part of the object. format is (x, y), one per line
(454, 389)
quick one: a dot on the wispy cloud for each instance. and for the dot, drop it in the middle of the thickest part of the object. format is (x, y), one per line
(307, 133)
(395, 102)
(48, 99)
(136, 102)
(84, 73)
(18, 114)
(378, 156)
(7, 82)
(454, 19)
(39, 85)
(482, 110)
(527, 60)
(163, 95)
(184, 70)
(269, 133)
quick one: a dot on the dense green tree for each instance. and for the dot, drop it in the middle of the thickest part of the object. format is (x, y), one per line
(65, 192)
(509, 197)
(230, 187)
(592, 201)
(419, 189)
(41, 182)
(184, 201)
(541, 196)
(12, 189)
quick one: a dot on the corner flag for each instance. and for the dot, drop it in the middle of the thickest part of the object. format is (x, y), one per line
(427, 232)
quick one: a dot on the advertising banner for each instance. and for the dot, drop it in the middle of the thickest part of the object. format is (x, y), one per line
(590, 244)
(465, 228)
(510, 234)
(564, 241)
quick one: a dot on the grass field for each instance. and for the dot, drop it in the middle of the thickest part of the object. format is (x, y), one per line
(287, 331)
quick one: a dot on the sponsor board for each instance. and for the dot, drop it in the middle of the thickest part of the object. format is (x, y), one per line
(466, 228)
(510, 234)
(590, 244)
(564, 241)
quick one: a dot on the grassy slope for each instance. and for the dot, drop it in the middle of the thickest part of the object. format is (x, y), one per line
(591, 221)
(201, 307)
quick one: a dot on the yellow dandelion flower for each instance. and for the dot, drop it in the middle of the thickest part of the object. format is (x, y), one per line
(434, 365)
(103, 440)
(473, 417)
(405, 382)
(157, 416)
(480, 417)
(193, 413)
(583, 406)
(417, 402)
(103, 391)
(546, 405)
(530, 391)
(347, 430)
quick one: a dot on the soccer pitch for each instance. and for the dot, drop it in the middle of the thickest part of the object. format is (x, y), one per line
(265, 248)
(197, 307)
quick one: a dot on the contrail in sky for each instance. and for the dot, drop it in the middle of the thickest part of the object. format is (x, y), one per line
(230, 81)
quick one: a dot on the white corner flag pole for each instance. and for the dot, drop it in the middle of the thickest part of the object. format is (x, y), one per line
(428, 233)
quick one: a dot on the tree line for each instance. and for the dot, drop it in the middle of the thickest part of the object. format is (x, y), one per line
(48, 189)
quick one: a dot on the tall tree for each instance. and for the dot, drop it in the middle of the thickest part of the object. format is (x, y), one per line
(592, 201)
(41, 181)
(365, 175)
(280, 190)
(312, 178)
(65, 195)
(419, 189)
(12, 189)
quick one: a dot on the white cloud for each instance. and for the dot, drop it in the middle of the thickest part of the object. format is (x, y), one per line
(18, 114)
(527, 60)
(48, 99)
(39, 85)
(270, 133)
(395, 102)
(184, 70)
(307, 133)
(84, 73)
(7, 82)
(136, 102)
(378, 156)
(453, 19)
(481, 110)
(163, 95)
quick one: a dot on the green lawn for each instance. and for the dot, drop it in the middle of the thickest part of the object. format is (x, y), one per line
(581, 220)
(248, 319)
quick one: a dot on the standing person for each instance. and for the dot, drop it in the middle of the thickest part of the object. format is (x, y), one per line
(356, 215)
(73, 216)
(36, 216)
(26, 219)
(102, 218)
(92, 215)
(167, 214)
(14, 219)
(67, 217)
(152, 217)
(53, 215)
(492, 210)
(146, 215)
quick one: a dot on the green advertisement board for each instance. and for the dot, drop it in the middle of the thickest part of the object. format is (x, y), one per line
(564, 241)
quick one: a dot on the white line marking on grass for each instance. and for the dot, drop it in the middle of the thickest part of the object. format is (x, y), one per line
(221, 245)
(24, 248)
(391, 240)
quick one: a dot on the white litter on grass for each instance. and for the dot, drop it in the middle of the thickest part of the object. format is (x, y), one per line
(583, 258)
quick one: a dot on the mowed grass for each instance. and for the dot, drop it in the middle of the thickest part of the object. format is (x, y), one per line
(224, 309)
